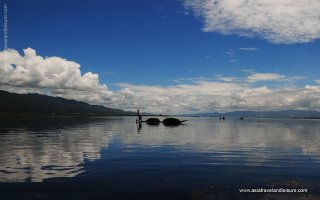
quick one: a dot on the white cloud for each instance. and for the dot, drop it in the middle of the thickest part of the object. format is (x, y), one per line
(51, 75)
(189, 79)
(206, 96)
(265, 77)
(278, 21)
(227, 78)
(248, 49)
(32, 70)
(312, 88)
(230, 53)
(255, 77)
(60, 77)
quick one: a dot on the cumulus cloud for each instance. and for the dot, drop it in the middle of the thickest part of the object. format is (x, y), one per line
(32, 70)
(52, 75)
(278, 21)
(216, 96)
(60, 77)
(224, 94)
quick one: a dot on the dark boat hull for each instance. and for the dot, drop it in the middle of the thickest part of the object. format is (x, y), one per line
(153, 121)
(166, 122)
(172, 122)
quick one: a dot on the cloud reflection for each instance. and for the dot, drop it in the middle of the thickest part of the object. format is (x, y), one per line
(32, 153)
(59, 147)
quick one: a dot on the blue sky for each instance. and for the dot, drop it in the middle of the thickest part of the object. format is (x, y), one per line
(143, 43)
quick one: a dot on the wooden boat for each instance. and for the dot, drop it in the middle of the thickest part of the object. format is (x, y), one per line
(167, 122)
(153, 121)
(172, 122)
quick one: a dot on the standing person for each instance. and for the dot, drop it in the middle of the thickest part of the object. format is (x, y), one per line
(139, 116)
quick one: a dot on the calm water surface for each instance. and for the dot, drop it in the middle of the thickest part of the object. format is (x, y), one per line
(112, 158)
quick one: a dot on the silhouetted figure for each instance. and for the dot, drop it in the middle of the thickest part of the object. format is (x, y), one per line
(139, 116)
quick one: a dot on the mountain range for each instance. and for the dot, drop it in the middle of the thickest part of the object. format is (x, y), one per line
(38, 104)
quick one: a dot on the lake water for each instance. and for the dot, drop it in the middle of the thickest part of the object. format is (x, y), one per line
(112, 158)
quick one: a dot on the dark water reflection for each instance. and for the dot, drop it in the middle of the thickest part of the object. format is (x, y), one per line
(108, 157)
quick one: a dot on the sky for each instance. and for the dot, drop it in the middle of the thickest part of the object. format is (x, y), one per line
(166, 56)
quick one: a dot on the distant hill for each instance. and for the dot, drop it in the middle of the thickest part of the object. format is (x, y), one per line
(310, 114)
(12, 103)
